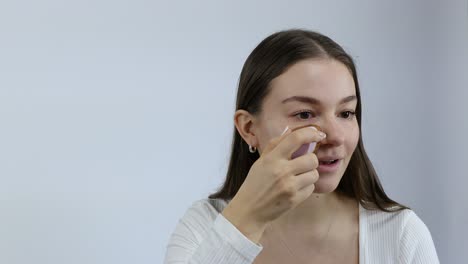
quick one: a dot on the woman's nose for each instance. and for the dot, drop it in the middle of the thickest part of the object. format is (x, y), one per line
(335, 133)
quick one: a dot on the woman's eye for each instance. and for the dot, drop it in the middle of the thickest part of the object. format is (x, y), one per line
(304, 115)
(348, 114)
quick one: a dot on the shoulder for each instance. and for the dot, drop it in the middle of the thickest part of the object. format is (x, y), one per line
(377, 227)
(207, 207)
(401, 233)
(197, 220)
(398, 222)
(202, 213)
(377, 219)
(416, 242)
(203, 235)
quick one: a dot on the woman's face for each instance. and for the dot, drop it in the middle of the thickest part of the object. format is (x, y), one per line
(319, 92)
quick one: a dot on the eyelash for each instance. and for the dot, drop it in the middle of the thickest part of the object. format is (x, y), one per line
(351, 114)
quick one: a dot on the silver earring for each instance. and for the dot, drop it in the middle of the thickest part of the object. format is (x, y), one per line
(252, 149)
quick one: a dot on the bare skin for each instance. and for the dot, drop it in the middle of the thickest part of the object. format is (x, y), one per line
(338, 242)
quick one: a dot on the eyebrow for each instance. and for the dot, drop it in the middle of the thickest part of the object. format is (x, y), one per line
(314, 101)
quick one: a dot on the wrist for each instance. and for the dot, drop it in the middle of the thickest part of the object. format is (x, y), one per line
(248, 226)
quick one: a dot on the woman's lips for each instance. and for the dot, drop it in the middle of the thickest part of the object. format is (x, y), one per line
(328, 168)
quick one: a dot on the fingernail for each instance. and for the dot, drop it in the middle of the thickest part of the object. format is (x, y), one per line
(322, 135)
(313, 128)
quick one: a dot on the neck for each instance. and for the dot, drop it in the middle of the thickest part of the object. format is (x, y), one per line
(317, 210)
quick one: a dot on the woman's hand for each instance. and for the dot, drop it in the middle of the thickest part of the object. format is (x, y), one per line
(275, 183)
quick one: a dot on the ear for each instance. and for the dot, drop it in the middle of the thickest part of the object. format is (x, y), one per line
(244, 122)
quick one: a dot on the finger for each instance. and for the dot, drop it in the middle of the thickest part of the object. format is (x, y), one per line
(275, 141)
(306, 179)
(295, 139)
(304, 163)
(305, 192)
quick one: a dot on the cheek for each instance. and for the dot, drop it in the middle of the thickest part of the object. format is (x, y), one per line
(353, 139)
(273, 124)
(268, 132)
(267, 135)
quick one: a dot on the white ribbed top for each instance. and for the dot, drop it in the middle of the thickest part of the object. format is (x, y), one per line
(204, 236)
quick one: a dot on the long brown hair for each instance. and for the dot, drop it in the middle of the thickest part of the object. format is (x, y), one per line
(267, 61)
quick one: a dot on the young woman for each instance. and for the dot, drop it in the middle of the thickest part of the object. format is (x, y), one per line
(325, 206)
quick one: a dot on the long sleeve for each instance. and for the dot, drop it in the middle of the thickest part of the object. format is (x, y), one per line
(205, 236)
(416, 243)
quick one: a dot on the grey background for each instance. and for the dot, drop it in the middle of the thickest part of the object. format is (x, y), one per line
(116, 115)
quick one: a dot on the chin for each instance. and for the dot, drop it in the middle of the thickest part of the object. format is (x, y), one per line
(326, 185)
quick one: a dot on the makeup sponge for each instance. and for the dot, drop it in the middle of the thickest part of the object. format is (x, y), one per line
(306, 148)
